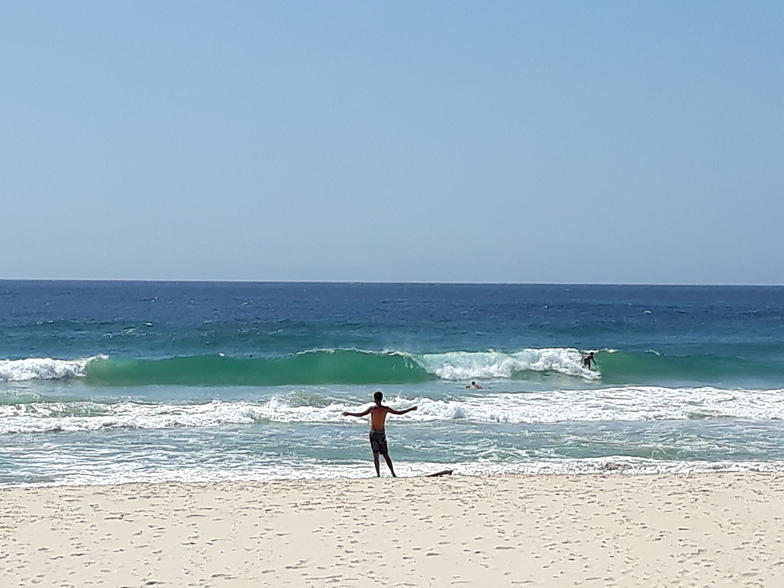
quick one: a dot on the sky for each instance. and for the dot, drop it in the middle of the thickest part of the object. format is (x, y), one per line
(440, 141)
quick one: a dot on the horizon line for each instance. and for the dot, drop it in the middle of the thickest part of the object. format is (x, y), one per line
(394, 282)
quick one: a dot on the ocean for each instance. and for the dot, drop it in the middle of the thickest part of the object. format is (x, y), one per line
(117, 382)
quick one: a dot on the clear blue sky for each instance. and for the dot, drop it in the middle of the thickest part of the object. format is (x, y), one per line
(592, 142)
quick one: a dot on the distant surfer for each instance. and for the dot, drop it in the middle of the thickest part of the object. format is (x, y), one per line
(378, 437)
(474, 386)
(588, 359)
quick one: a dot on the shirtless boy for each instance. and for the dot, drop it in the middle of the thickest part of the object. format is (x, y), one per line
(378, 437)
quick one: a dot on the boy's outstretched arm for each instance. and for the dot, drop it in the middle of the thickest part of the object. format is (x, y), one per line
(357, 414)
(404, 411)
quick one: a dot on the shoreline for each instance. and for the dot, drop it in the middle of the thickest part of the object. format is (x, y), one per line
(565, 467)
(504, 530)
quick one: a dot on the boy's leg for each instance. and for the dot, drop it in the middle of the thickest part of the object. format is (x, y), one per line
(375, 462)
(389, 463)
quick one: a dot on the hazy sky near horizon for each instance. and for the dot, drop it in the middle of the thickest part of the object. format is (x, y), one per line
(579, 142)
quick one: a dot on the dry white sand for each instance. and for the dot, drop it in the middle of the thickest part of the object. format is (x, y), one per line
(613, 530)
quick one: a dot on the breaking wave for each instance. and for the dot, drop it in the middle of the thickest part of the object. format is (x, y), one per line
(352, 366)
(319, 366)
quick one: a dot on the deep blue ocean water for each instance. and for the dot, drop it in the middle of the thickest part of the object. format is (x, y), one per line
(107, 382)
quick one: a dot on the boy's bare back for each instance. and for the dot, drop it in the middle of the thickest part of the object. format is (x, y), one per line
(378, 417)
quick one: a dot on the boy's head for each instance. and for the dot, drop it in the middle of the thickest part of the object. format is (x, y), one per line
(378, 397)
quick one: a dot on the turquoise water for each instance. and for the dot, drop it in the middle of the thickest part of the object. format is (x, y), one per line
(106, 382)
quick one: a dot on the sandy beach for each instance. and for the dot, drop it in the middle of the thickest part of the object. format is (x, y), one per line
(612, 530)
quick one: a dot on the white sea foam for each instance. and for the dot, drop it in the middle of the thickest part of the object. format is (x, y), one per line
(608, 404)
(42, 368)
(308, 469)
(618, 465)
(91, 416)
(464, 365)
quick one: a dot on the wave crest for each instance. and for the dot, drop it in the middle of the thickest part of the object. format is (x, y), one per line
(464, 365)
(43, 368)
